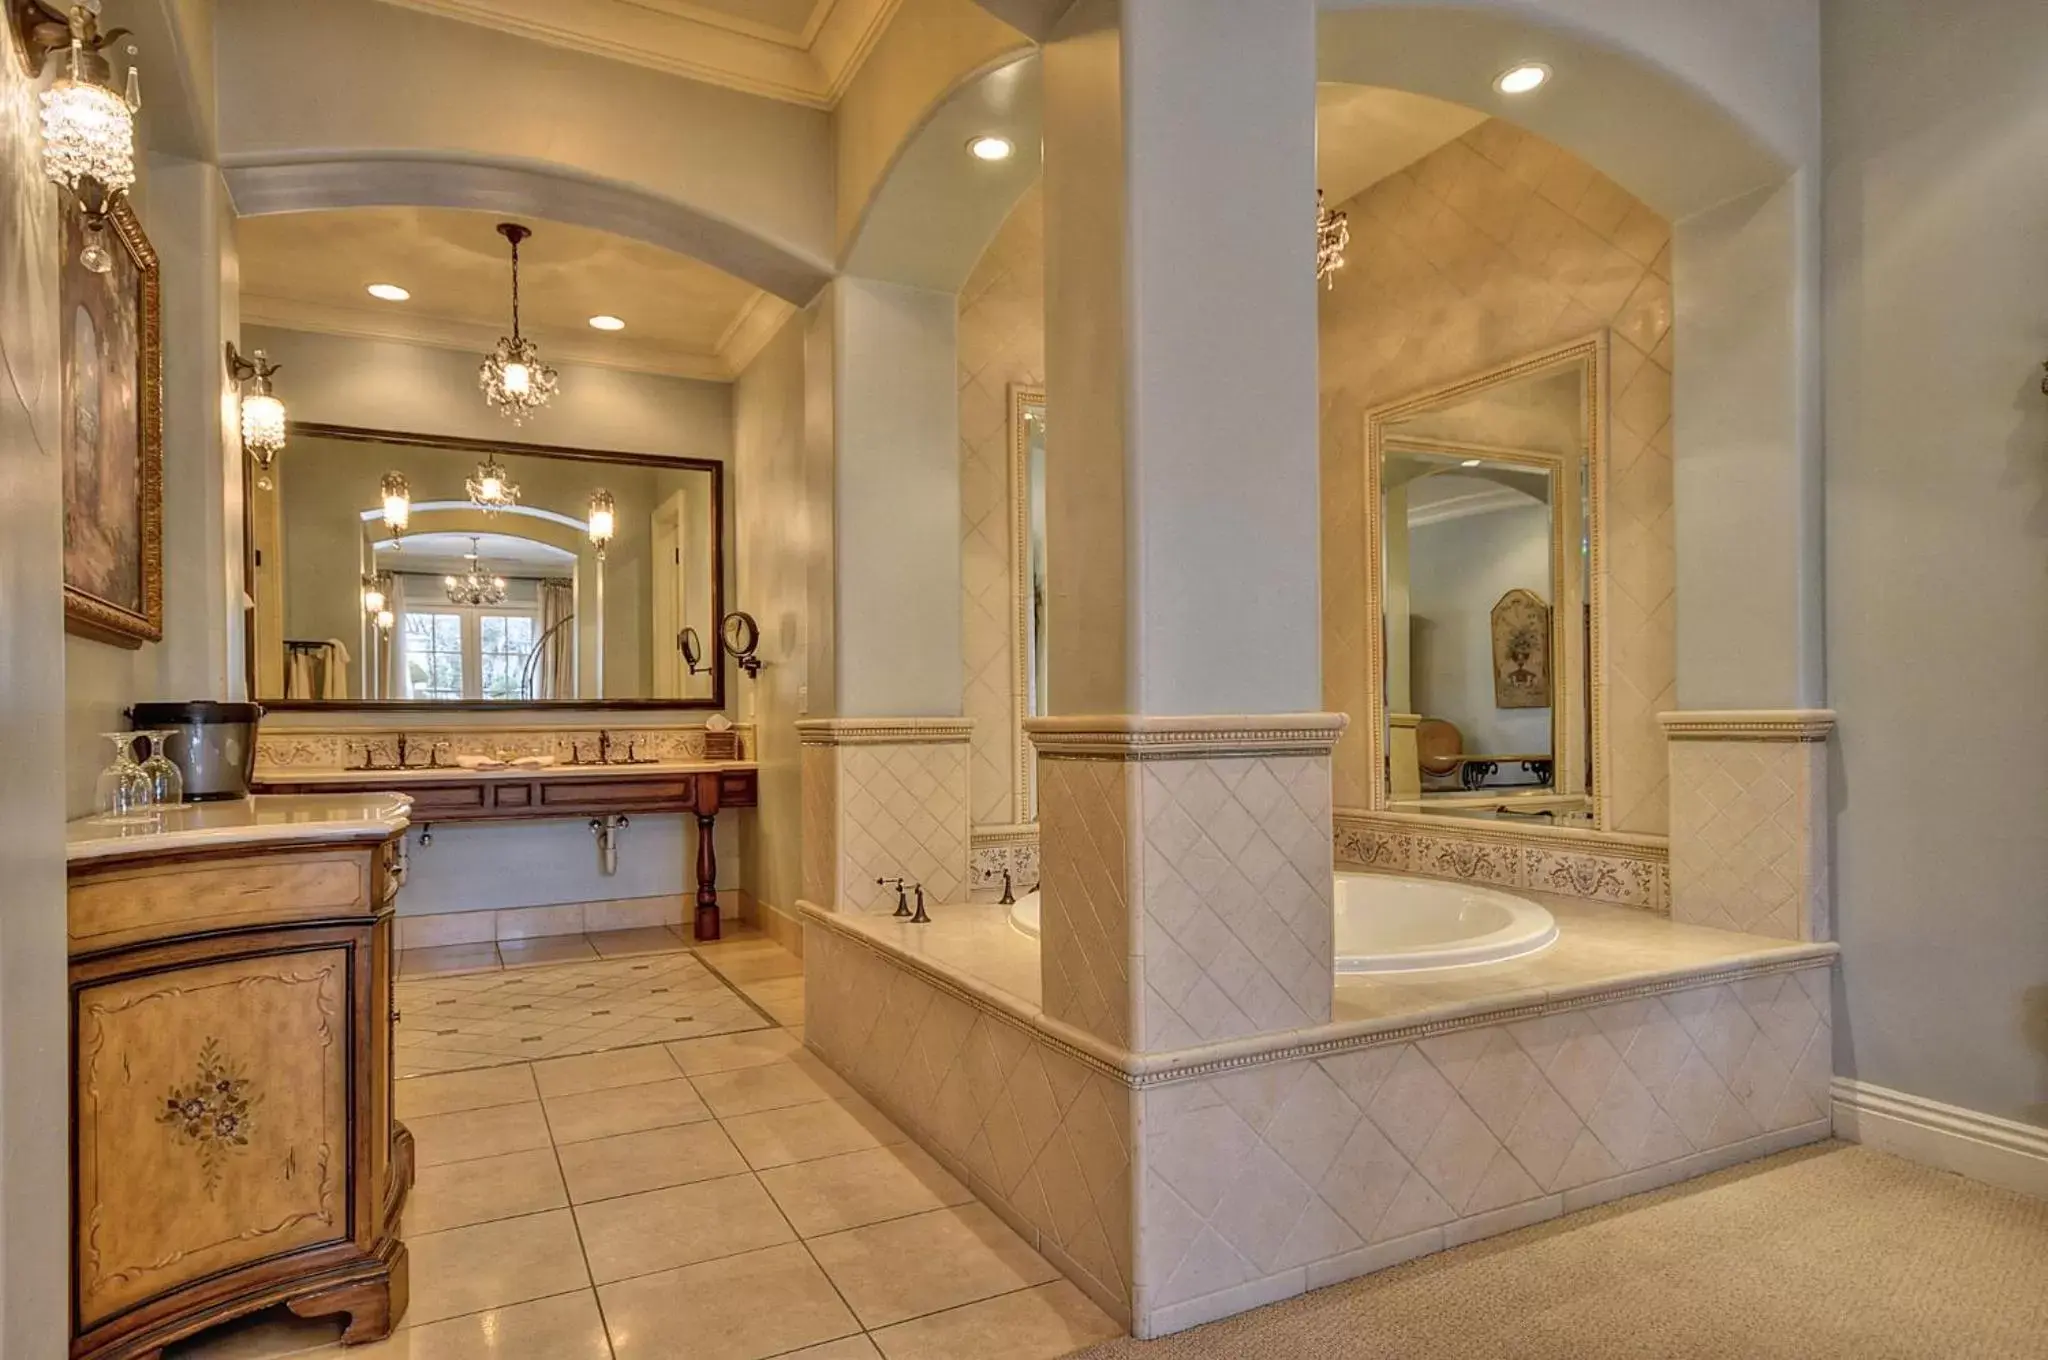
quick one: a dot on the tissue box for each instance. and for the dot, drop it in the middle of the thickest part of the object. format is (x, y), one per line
(721, 745)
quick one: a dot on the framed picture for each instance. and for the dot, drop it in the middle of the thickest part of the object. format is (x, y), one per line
(112, 440)
(1521, 651)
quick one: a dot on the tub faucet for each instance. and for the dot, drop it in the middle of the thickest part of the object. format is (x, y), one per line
(902, 898)
(1009, 897)
(920, 919)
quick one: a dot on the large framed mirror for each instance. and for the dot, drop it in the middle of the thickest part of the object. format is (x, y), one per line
(1027, 583)
(402, 571)
(1485, 592)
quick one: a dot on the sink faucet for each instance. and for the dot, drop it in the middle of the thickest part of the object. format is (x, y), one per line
(604, 746)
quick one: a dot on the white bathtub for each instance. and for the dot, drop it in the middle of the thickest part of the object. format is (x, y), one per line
(1390, 924)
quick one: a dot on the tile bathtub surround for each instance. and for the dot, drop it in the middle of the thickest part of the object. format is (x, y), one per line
(1186, 862)
(1749, 848)
(884, 798)
(284, 745)
(996, 850)
(1612, 867)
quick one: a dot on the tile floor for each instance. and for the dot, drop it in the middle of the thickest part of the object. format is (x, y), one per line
(714, 1198)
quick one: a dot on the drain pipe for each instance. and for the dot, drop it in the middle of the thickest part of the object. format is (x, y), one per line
(607, 830)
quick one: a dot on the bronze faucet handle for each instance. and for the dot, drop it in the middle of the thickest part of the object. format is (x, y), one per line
(922, 917)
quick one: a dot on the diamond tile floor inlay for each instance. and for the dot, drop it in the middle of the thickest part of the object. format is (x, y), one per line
(449, 1023)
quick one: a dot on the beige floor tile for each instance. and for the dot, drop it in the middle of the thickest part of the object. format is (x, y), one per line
(1033, 1324)
(679, 1226)
(490, 1265)
(457, 1194)
(448, 958)
(624, 1109)
(738, 1308)
(479, 1089)
(730, 1052)
(770, 1087)
(618, 944)
(905, 1268)
(601, 1071)
(545, 949)
(800, 1133)
(632, 1162)
(854, 1189)
(754, 966)
(468, 1134)
(775, 992)
(567, 1327)
(267, 1335)
(846, 1348)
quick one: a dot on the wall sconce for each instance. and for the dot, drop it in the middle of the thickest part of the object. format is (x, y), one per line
(88, 125)
(397, 502)
(385, 620)
(377, 594)
(263, 424)
(604, 520)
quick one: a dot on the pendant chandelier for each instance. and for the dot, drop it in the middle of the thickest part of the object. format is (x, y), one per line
(491, 487)
(513, 377)
(473, 587)
(1333, 234)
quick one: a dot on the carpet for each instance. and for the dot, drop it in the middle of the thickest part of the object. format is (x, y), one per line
(1826, 1251)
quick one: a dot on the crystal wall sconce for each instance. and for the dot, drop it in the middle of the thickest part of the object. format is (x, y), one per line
(88, 124)
(263, 418)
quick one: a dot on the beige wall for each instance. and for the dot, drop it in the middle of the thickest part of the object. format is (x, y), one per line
(1002, 342)
(771, 493)
(1937, 512)
(1494, 246)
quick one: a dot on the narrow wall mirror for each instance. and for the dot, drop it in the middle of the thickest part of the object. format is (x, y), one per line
(411, 571)
(1485, 532)
(1027, 576)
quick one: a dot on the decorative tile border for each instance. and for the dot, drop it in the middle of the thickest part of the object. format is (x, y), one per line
(1134, 737)
(996, 850)
(340, 748)
(1749, 724)
(1613, 867)
(883, 731)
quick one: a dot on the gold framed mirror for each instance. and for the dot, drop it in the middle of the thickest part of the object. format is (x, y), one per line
(1485, 593)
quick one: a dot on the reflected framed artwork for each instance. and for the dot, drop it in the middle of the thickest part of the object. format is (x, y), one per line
(112, 434)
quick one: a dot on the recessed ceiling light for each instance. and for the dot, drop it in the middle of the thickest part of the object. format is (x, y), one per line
(991, 148)
(1470, 462)
(606, 323)
(1521, 79)
(388, 292)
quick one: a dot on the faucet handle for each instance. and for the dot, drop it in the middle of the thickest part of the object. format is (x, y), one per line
(922, 917)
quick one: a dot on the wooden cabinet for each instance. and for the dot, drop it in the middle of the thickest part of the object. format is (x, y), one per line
(234, 1141)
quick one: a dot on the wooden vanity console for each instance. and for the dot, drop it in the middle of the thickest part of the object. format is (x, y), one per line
(233, 1140)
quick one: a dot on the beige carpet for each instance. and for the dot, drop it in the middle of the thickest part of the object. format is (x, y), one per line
(1826, 1251)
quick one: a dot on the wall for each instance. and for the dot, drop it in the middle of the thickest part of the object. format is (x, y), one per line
(1494, 246)
(1458, 570)
(1937, 533)
(1002, 343)
(33, 1129)
(770, 491)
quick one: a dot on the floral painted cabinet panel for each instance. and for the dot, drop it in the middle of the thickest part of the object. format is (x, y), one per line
(213, 1121)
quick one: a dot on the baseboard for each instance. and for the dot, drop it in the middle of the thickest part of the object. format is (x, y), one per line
(777, 924)
(2001, 1152)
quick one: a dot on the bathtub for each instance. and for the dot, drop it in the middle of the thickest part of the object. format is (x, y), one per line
(1389, 924)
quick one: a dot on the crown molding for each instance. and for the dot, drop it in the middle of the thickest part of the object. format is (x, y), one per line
(812, 68)
(358, 323)
(884, 731)
(1135, 737)
(753, 326)
(1749, 724)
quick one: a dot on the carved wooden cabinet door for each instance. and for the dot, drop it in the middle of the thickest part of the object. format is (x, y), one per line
(212, 1109)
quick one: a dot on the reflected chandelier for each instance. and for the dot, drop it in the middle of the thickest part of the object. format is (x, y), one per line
(473, 587)
(1333, 235)
(512, 376)
(491, 487)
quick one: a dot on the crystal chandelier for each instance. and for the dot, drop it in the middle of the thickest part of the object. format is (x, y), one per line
(513, 377)
(473, 587)
(1333, 234)
(490, 487)
(88, 125)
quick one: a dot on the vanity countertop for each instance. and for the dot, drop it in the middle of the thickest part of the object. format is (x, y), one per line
(264, 819)
(302, 778)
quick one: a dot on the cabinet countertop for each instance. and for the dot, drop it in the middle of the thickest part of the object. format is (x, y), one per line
(455, 774)
(264, 819)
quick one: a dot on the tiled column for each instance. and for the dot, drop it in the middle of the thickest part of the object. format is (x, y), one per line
(884, 798)
(1749, 845)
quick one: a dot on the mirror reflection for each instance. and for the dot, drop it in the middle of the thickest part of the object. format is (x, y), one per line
(1484, 588)
(392, 568)
(1027, 491)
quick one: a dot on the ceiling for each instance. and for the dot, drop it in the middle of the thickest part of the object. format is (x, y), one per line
(684, 318)
(1365, 133)
(801, 51)
(501, 554)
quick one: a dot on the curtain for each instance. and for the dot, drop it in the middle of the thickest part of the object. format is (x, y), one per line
(555, 666)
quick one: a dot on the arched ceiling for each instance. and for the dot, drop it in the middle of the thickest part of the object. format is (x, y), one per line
(309, 270)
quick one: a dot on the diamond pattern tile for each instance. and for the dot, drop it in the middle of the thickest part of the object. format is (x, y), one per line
(1257, 1172)
(1748, 848)
(1026, 1126)
(885, 811)
(1085, 894)
(483, 1019)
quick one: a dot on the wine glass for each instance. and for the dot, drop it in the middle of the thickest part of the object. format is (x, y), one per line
(123, 792)
(166, 780)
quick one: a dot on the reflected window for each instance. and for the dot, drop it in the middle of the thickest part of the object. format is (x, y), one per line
(432, 658)
(505, 641)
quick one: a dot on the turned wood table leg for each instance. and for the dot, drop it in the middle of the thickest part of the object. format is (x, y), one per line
(707, 927)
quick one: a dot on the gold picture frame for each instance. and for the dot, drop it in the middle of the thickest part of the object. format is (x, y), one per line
(111, 445)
